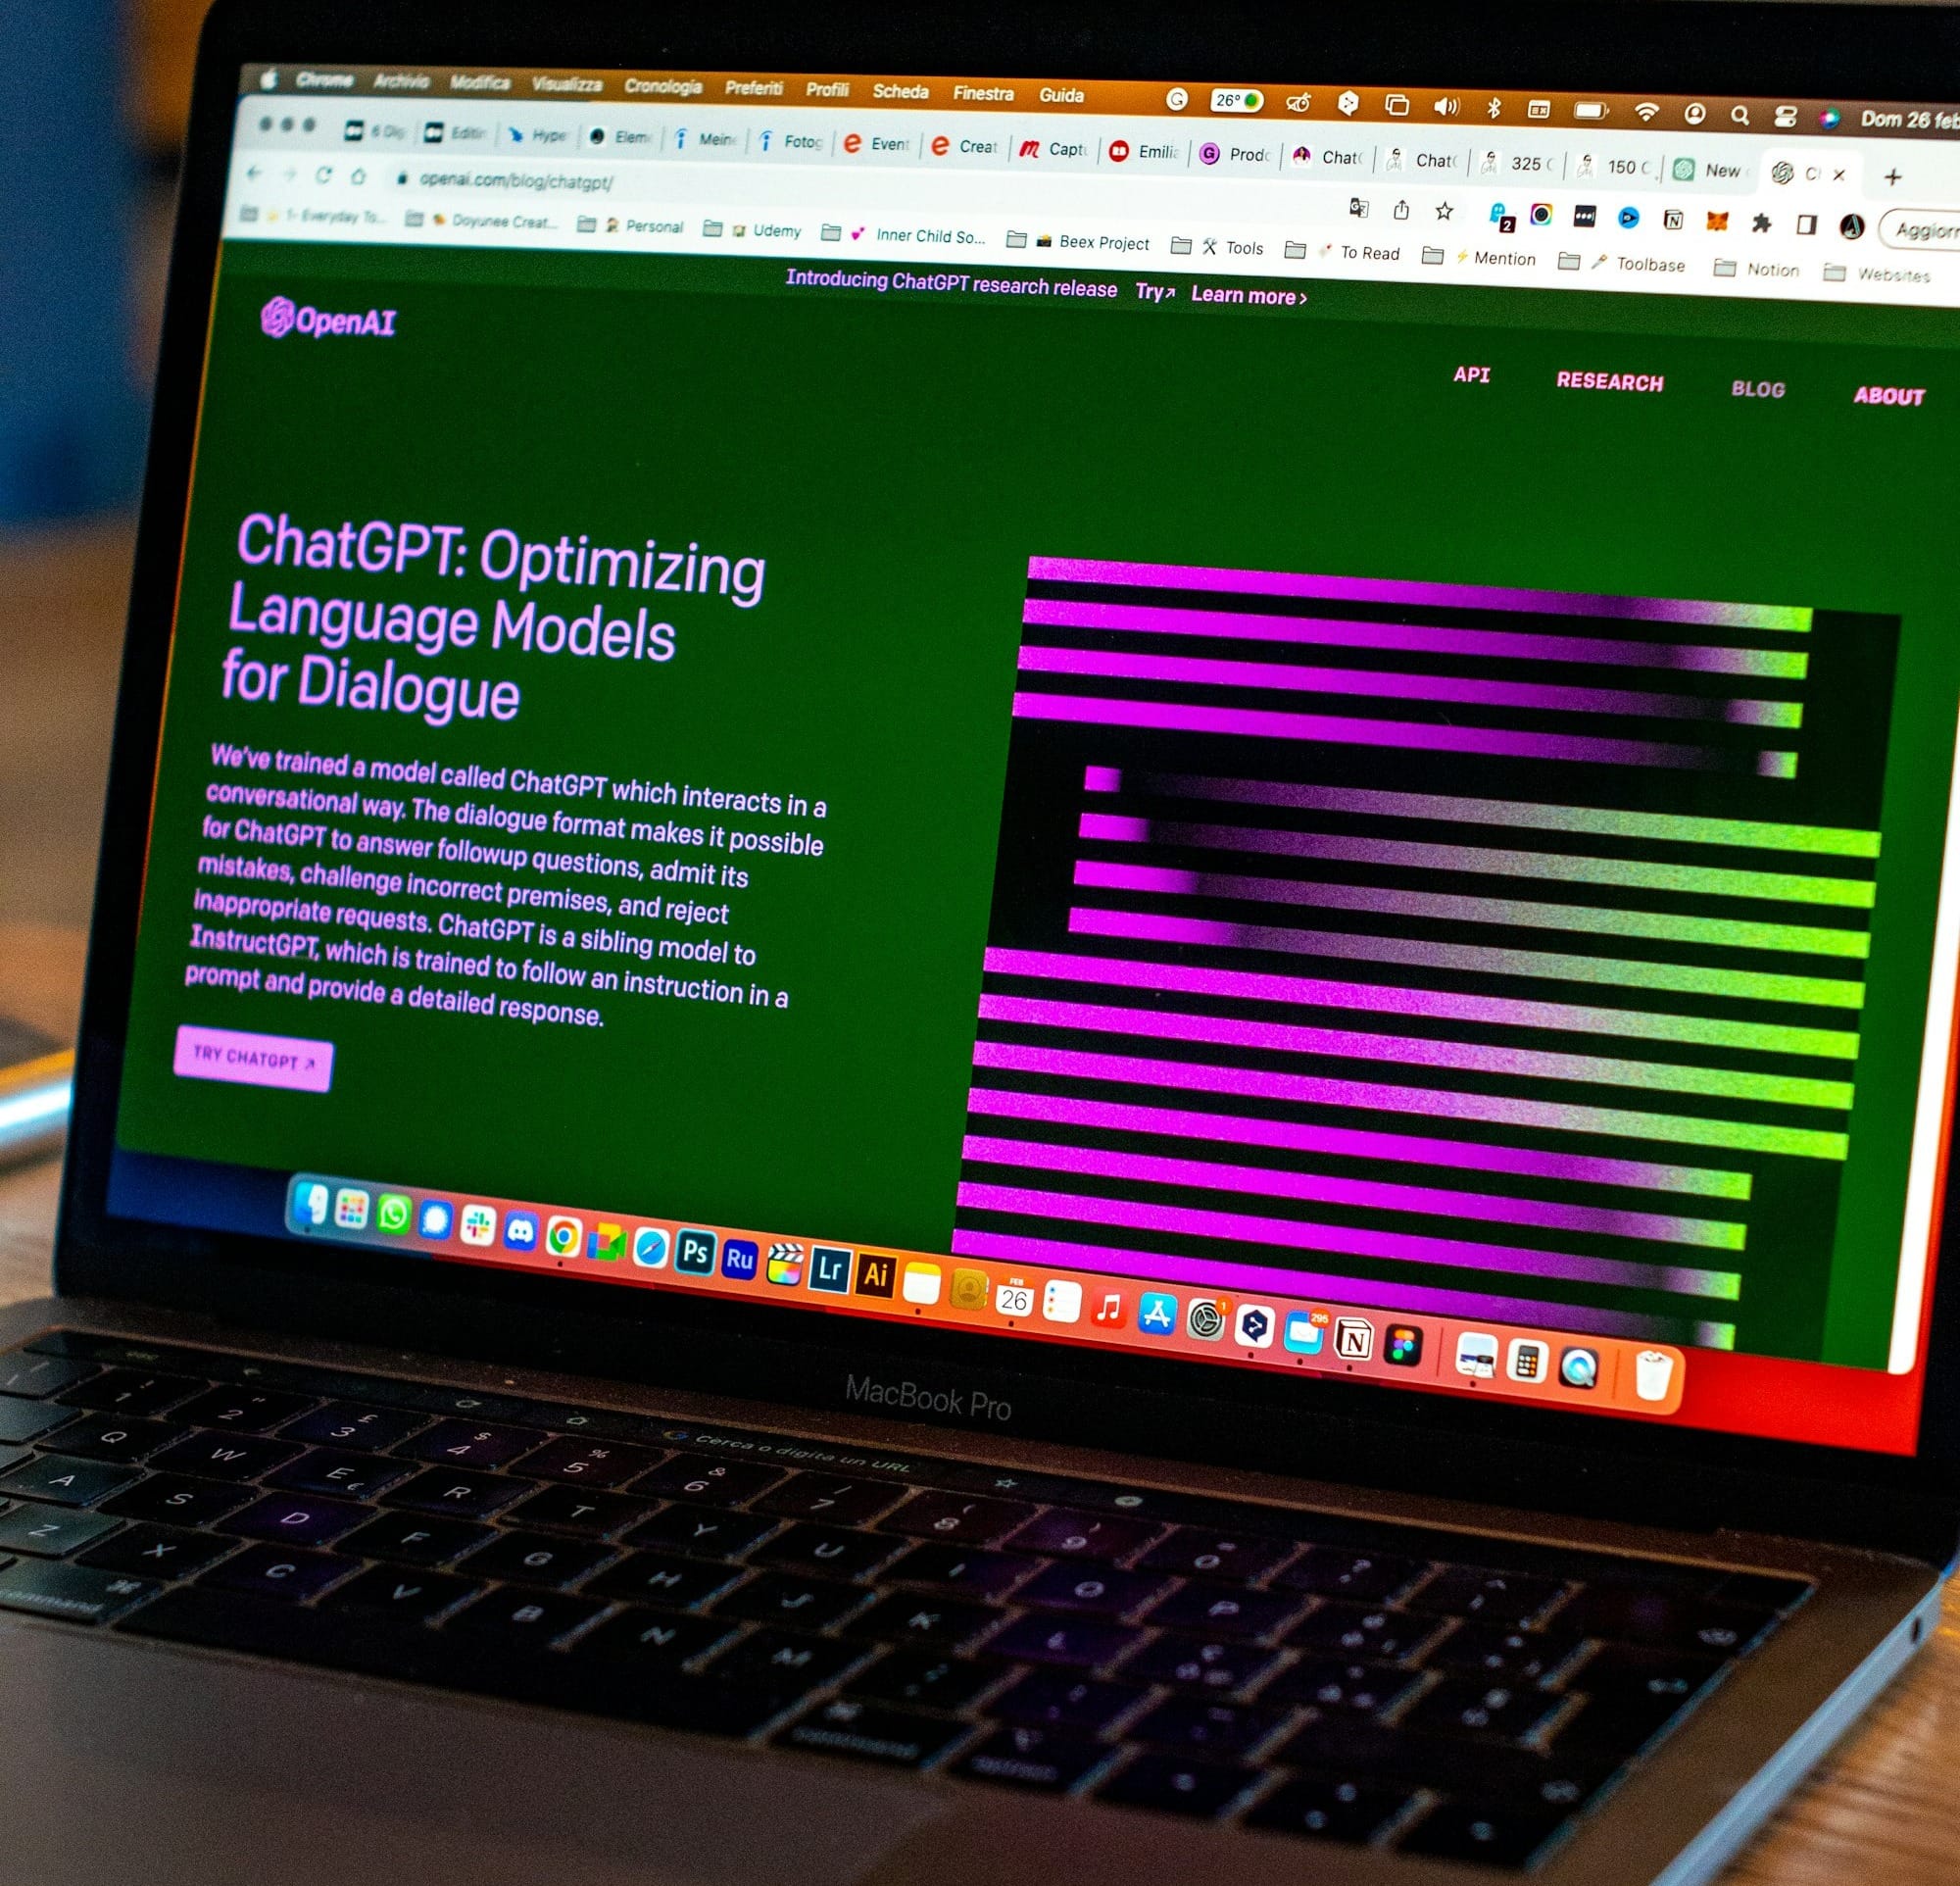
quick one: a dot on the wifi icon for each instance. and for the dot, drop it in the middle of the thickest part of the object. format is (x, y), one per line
(1646, 112)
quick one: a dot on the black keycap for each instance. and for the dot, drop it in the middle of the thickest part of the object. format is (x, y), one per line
(1045, 1760)
(1195, 1726)
(652, 1640)
(1349, 1811)
(1078, 1642)
(925, 1680)
(571, 1508)
(1099, 1591)
(786, 1661)
(789, 1598)
(115, 1437)
(65, 1482)
(465, 1403)
(1630, 1695)
(456, 1493)
(1170, 1784)
(1204, 1552)
(873, 1732)
(1057, 1699)
(1665, 1619)
(708, 1482)
(339, 1474)
(703, 1531)
(1505, 1598)
(525, 1618)
(157, 1551)
(584, 1462)
(351, 1424)
(831, 1501)
(536, 1558)
(925, 1617)
(1062, 1534)
(1361, 1630)
(178, 1499)
(1216, 1663)
(826, 1549)
(225, 1457)
(1464, 1706)
(957, 1517)
(1218, 1612)
(470, 1444)
(270, 1571)
(1337, 1683)
(79, 1593)
(241, 1411)
(965, 1572)
(1342, 1744)
(660, 1579)
(296, 1518)
(1491, 1650)
(26, 1421)
(1335, 1571)
(405, 1538)
(50, 1532)
(415, 1596)
(1497, 1836)
(26, 1374)
(132, 1391)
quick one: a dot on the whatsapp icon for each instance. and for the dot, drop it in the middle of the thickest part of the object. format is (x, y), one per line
(392, 1212)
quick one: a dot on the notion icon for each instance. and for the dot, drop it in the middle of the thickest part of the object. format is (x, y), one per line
(1654, 1374)
(1353, 1338)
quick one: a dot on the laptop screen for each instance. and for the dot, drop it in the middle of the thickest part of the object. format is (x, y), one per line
(1294, 728)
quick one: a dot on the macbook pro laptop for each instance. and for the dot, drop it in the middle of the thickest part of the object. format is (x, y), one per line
(1027, 949)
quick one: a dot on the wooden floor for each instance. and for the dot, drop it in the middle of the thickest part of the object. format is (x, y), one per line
(1883, 1811)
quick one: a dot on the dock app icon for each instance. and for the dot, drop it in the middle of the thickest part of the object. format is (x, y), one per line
(830, 1269)
(694, 1254)
(876, 1276)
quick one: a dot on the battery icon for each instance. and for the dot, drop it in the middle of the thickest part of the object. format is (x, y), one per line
(1589, 108)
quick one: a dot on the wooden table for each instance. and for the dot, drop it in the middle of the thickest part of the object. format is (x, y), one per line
(1883, 1811)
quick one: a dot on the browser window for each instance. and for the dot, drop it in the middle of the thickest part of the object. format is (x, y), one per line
(1300, 727)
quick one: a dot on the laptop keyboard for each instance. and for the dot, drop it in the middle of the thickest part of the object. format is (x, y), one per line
(1301, 1672)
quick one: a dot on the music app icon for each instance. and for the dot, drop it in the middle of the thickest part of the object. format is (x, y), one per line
(1109, 1310)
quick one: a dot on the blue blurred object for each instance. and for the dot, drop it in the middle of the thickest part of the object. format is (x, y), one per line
(71, 414)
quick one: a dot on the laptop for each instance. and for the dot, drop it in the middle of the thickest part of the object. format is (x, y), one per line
(1027, 945)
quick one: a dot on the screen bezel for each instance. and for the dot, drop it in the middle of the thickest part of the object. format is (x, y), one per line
(1165, 1409)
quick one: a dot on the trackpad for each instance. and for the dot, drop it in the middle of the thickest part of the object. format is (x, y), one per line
(122, 1761)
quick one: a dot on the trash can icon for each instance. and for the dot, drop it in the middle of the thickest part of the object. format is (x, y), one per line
(1654, 1374)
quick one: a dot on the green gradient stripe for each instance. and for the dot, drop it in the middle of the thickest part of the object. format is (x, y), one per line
(1757, 615)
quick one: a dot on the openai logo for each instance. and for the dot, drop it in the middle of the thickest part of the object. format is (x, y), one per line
(277, 315)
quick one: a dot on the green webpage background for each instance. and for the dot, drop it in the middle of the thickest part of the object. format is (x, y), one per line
(897, 460)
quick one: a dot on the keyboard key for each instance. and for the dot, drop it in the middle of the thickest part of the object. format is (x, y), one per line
(225, 1457)
(1336, 1684)
(1463, 1705)
(65, 1482)
(1335, 1571)
(1062, 1534)
(652, 1640)
(1093, 1590)
(134, 1392)
(270, 1571)
(1630, 1696)
(536, 1558)
(1045, 1760)
(660, 1578)
(518, 1618)
(701, 1531)
(1349, 1811)
(115, 1437)
(1379, 1633)
(571, 1509)
(1170, 1784)
(964, 1570)
(923, 1617)
(470, 1444)
(1215, 1664)
(1665, 1619)
(79, 1593)
(787, 1660)
(1057, 1699)
(177, 1499)
(833, 1502)
(26, 1374)
(1079, 1643)
(350, 1425)
(1503, 1597)
(461, 1494)
(925, 1680)
(1497, 1836)
(50, 1532)
(1344, 1743)
(296, 1518)
(873, 1732)
(243, 1411)
(415, 1596)
(403, 1539)
(789, 1598)
(828, 1549)
(957, 1517)
(588, 1463)
(26, 1421)
(1492, 1651)
(339, 1474)
(1201, 1552)
(1195, 1726)
(157, 1551)
(1221, 1613)
(708, 1482)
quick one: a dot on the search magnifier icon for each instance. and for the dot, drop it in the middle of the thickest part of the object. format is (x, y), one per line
(1738, 115)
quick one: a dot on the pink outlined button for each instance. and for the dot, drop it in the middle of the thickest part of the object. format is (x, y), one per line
(254, 1061)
